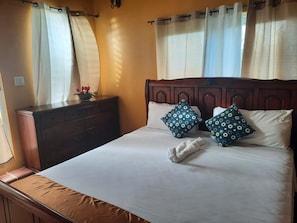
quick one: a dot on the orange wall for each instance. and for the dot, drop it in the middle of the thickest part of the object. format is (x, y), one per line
(126, 45)
(127, 49)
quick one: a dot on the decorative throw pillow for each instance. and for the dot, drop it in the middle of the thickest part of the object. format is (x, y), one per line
(272, 127)
(158, 110)
(181, 119)
(228, 126)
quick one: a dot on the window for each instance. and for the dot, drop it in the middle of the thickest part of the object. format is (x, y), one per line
(60, 66)
(205, 44)
(5, 137)
(53, 56)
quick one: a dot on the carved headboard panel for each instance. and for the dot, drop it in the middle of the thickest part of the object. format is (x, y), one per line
(208, 93)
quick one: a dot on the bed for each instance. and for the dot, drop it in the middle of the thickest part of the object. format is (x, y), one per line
(135, 179)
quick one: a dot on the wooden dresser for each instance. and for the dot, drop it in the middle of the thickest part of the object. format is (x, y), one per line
(51, 134)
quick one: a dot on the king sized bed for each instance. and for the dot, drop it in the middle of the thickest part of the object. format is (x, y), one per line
(213, 150)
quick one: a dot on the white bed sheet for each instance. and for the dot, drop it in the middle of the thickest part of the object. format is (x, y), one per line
(230, 184)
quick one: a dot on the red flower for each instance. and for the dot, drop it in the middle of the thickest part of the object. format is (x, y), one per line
(84, 92)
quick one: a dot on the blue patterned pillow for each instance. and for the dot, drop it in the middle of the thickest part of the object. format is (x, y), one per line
(228, 126)
(181, 119)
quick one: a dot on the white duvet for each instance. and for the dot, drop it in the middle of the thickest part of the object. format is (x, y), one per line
(214, 185)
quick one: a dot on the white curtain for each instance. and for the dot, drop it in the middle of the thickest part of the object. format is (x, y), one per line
(271, 40)
(5, 137)
(223, 42)
(179, 45)
(202, 44)
(86, 51)
(53, 56)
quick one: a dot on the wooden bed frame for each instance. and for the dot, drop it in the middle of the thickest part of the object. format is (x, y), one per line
(206, 93)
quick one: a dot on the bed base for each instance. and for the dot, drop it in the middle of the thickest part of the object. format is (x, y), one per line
(17, 207)
(206, 93)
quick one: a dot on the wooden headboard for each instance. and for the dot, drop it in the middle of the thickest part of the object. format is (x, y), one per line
(208, 93)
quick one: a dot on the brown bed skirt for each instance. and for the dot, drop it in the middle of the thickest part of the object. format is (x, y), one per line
(78, 207)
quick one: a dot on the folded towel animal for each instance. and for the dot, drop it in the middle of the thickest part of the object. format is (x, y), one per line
(185, 149)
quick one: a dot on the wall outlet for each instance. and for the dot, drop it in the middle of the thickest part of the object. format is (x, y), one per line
(19, 81)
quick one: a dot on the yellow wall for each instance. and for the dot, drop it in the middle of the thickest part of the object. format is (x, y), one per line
(127, 49)
(127, 53)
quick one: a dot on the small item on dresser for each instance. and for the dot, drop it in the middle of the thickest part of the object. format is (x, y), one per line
(84, 93)
(185, 149)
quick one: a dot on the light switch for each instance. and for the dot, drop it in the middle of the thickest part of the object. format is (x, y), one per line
(19, 81)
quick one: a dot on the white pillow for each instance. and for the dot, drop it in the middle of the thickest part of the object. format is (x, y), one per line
(273, 127)
(158, 110)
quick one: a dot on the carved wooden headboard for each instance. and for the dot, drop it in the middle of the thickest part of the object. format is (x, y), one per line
(208, 93)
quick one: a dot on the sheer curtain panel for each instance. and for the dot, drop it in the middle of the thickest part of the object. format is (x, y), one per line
(86, 51)
(180, 46)
(223, 36)
(53, 56)
(271, 40)
(5, 137)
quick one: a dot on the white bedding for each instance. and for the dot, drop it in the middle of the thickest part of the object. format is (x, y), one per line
(229, 184)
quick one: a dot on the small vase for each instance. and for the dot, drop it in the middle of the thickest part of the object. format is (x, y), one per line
(85, 97)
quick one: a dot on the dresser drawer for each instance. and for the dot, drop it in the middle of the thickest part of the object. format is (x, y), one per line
(60, 151)
(85, 111)
(63, 130)
(100, 119)
(49, 119)
(108, 106)
(102, 134)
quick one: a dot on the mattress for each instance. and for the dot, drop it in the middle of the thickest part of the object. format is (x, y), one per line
(240, 183)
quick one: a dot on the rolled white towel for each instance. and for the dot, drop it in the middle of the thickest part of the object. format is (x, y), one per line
(184, 149)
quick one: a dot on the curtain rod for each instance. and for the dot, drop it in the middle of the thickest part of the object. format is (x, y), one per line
(71, 12)
(81, 13)
(189, 15)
